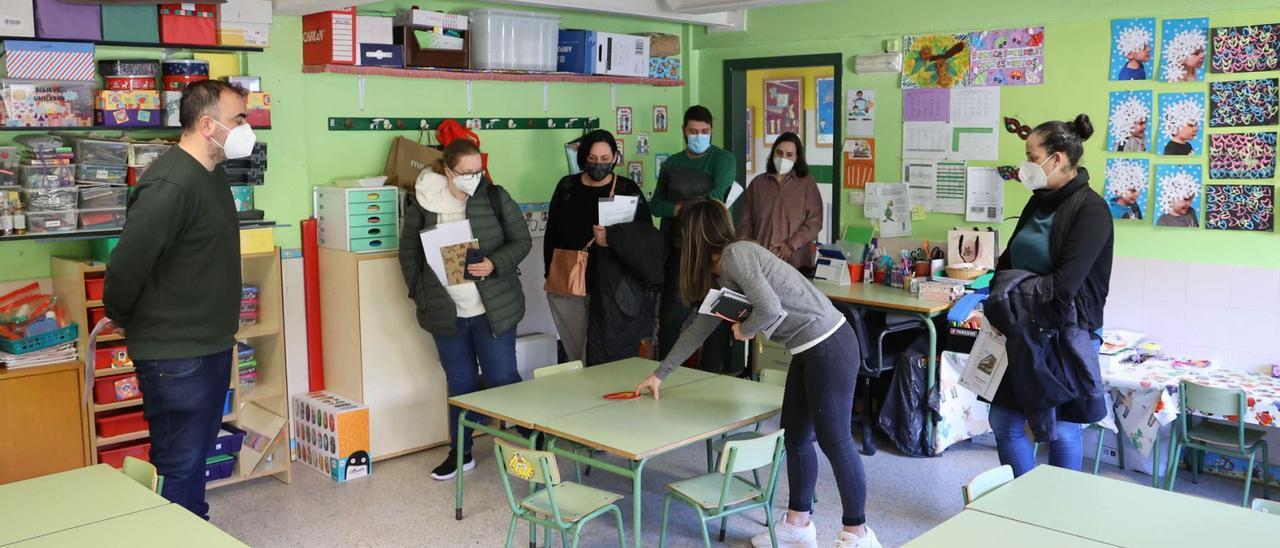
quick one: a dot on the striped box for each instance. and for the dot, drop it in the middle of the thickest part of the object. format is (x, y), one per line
(32, 60)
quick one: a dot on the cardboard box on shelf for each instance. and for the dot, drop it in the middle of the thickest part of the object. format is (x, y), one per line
(67, 21)
(38, 60)
(666, 68)
(221, 65)
(380, 55)
(245, 23)
(46, 103)
(375, 29)
(131, 23)
(189, 24)
(17, 18)
(129, 118)
(330, 37)
(576, 51)
(332, 434)
(135, 99)
(259, 109)
(622, 55)
(415, 17)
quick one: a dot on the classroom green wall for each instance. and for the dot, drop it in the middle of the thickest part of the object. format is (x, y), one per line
(1077, 36)
(303, 153)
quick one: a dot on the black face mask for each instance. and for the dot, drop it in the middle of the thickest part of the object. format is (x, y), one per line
(598, 172)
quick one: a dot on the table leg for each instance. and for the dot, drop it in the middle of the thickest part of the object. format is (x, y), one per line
(463, 424)
(637, 493)
(931, 383)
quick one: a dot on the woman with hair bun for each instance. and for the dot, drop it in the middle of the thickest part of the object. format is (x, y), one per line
(1047, 298)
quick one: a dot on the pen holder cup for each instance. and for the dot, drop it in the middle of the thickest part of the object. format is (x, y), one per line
(879, 275)
(855, 273)
(922, 268)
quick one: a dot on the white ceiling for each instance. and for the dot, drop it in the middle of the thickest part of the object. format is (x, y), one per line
(713, 13)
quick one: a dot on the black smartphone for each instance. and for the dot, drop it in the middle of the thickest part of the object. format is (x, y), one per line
(473, 256)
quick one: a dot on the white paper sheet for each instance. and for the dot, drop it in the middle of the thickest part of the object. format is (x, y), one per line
(949, 192)
(735, 192)
(442, 235)
(986, 365)
(617, 210)
(926, 139)
(985, 196)
(893, 213)
(921, 179)
(975, 121)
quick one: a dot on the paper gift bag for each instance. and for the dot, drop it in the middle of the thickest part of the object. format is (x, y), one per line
(973, 246)
(407, 160)
(986, 365)
(455, 261)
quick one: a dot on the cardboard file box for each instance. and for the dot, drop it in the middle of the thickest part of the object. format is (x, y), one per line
(245, 23)
(189, 24)
(418, 53)
(329, 38)
(17, 18)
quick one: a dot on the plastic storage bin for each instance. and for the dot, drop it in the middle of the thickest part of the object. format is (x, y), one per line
(114, 455)
(102, 173)
(116, 388)
(93, 288)
(513, 40)
(142, 154)
(219, 467)
(50, 199)
(48, 222)
(120, 424)
(103, 196)
(47, 176)
(105, 353)
(98, 151)
(228, 441)
(102, 219)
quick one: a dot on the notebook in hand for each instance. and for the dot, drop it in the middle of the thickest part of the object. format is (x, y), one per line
(731, 305)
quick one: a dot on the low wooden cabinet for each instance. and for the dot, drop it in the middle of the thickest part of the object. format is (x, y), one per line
(44, 427)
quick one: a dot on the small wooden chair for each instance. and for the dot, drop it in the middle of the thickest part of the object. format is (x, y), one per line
(720, 494)
(986, 482)
(564, 506)
(144, 473)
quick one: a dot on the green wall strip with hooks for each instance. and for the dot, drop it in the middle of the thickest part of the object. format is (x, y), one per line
(473, 123)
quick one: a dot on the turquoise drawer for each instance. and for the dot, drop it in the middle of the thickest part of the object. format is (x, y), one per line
(374, 244)
(367, 196)
(377, 231)
(380, 219)
(367, 208)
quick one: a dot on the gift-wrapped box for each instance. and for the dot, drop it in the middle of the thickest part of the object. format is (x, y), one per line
(667, 68)
(244, 23)
(128, 99)
(259, 109)
(34, 60)
(57, 19)
(46, 103)
(19, 18)
(132, 23)
(189, 24)
(126, 117)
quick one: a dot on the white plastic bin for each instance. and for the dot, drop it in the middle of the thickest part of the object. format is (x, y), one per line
(513, 40)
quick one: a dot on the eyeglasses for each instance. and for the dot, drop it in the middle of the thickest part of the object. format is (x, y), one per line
(1016, 127)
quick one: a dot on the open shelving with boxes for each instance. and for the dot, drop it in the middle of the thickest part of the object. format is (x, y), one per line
(257, 408)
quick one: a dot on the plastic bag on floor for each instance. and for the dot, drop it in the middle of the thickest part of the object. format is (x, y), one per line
(906, 407)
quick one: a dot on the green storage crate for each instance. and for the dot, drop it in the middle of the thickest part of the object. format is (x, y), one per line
(137, 23)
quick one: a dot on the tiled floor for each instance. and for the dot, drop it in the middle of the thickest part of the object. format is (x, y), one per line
(399, 505)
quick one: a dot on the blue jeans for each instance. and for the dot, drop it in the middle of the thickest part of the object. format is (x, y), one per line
(1016, 449)
(459, 354)
(183, 405)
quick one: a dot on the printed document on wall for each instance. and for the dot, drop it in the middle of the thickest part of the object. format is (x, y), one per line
(893, 211)
(949, 191)
(985, 196)
(975, 119)
(921, 179)
(926, 140)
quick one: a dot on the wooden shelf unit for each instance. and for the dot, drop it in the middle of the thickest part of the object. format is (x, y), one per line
(266, 337)
(489, 76)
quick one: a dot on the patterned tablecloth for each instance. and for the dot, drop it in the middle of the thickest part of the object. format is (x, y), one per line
(1147, 395)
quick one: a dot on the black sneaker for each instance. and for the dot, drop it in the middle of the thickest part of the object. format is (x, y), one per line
(449, 467)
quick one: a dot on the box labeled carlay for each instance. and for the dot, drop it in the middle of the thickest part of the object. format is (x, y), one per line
(245, 23)
(17, 18)
(48, 60)
(329, 38)
(67, 21)
(332, 433)
(189, 24)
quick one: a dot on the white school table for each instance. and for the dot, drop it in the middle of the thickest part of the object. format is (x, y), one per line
(1124, 513)
(694, 406)
(974, 529)
(163, 526)
(66, 500)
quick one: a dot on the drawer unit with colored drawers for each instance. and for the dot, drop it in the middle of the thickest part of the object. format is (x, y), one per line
(360, 220)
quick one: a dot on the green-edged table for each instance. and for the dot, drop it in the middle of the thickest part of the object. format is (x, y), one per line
(694, 406)
(164, 526)
(1124, 513)
(66, 500)
(973, 529)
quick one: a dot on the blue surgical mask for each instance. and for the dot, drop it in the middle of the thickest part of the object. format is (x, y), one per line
(699, 143)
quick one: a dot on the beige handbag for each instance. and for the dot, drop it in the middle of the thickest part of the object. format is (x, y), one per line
(567, 276)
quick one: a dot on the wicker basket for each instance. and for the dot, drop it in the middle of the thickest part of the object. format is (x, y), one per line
(963, 273)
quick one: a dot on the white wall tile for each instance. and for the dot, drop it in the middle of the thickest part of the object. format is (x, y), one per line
(1163, 321)
(1165, 281)
(1206, 325)
(1255, 288)
(1208, 284)
(1251, 361)
(1252, 331)
(1127, 278)
(1123, 313)
(1178, 349)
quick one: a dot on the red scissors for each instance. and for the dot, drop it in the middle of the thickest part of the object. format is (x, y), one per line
(624, 395)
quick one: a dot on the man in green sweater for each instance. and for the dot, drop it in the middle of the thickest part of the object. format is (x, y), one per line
(173, 286)
(717, 164)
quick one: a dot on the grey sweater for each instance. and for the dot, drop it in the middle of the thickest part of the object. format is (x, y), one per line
(772, 286)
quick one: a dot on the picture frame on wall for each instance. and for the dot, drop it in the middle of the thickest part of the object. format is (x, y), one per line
(660, 118)
(826, 100)
(783, 108)
(635, 170)
(624, 120)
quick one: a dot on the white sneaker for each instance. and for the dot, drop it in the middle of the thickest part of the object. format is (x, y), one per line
(850, 540)
(789, 536)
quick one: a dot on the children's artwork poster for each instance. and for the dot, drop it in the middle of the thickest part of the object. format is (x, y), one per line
(935, 61)
(783, 108)
(860, 113)
(1009, 57)
(859, 166)
(826, 97)
(658, 160)
(1183, 50)
(1129, 126)
(1244, 103)
(1252, 48)
(642, 144)
(1178, 188)
(1181, 115)
(635, 170)
(1242, 155)
(1240, 207)
(659, 119)
(624, 120)
(1127, 182)
(1133, 43)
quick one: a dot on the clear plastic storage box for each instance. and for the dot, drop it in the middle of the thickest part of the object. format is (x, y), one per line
(100, 196)
(142, 154)
(513, 40)
(103, 173)
(99, 151)
(50, 199)
(47, 176)
(43, 222)
(102, 219)
(46, 103)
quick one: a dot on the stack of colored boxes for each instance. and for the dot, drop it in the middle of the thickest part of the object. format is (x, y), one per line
(220, 461)
(332, 435)
(248, 305)
(247, 364)
(129, 97)
(47, 84)
(178, 74)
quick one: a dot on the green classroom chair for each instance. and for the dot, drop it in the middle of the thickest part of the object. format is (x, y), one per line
(564, 506)
(986, 482)
(1097, 451)
(573, 447)
(1230, 439)
(144, 473)
(776, 377)
(722, 493)
(1267, 506)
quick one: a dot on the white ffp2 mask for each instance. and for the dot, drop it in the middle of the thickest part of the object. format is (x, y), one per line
(239, 142)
